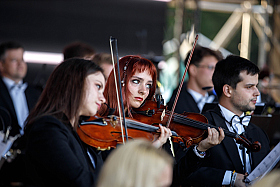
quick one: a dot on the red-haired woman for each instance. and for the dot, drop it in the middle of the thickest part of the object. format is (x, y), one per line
(138, 77)
(138, 83)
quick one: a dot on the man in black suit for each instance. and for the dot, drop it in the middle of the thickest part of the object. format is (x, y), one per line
(235, 82)
(193, 95)
(17, 98)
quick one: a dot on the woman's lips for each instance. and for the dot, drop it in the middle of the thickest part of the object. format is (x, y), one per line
(98, 106)
(139, 98)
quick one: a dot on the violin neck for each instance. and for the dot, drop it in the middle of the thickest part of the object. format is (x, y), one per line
(201, 125)
(142, 126)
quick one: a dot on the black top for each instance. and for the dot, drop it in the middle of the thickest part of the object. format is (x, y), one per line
(55, 155)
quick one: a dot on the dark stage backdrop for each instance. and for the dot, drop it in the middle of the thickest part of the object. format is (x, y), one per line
(49, 25)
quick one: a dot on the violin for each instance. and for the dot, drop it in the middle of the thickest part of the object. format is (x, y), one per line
(192, 127)
(105, 133)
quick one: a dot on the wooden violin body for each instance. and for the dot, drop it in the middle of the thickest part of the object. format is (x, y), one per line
(190, 135)
(105, 133)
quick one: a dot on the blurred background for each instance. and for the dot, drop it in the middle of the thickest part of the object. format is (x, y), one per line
(162, 31)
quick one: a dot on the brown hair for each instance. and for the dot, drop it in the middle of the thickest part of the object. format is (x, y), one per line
(8, 46)
(77, 49)
(200, 52)
(64, 90)
(133, 64)
(101, 58)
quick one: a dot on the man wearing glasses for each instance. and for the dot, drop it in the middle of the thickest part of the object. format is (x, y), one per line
(198, 89)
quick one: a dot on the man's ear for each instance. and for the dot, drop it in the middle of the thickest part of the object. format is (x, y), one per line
(192, 69)
(227, 90)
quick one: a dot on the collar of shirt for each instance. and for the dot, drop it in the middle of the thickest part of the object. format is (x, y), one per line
(228, 114)
(196, 96)
(10, 83)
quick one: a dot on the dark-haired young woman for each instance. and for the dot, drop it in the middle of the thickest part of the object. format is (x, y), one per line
(55, 155)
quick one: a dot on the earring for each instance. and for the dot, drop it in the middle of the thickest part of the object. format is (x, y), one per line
(124, 71)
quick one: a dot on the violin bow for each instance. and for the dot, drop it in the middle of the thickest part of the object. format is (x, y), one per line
(119, 98)
(181, 83)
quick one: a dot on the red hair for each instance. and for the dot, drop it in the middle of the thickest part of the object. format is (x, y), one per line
(133, 64)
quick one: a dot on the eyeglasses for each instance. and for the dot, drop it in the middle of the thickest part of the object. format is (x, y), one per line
(210, 67)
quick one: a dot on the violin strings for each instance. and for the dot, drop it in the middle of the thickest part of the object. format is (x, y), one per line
(145, 127)
(141, 126)
(193, 123)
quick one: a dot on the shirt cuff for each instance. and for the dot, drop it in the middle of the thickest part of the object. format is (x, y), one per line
(200, 154)
(227, 178)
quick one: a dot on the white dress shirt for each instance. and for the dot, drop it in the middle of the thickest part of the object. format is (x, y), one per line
(19, 100)
(200, 99)
(240, 129)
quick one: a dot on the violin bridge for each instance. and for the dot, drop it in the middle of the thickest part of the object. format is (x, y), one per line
(162, 115)
(114, 124)
(113, 121)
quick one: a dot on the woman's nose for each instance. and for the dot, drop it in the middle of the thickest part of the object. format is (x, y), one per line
(142, 89)
(102, 98)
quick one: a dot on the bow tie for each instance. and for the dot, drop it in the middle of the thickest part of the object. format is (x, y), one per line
(19, 86)
(237, 121)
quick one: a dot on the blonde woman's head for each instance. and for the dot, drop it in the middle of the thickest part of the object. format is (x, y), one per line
(137, 164)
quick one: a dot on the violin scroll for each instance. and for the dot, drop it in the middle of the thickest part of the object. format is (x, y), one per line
(256, 146)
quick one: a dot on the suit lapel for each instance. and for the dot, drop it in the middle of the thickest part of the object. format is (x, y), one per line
(253, 135)
(7, 98)
(29, 98)
(228, 143)
(7, 103)
(191, 102)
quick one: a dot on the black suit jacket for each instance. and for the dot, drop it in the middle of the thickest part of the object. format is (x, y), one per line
(56, 156)
(15, 170)
(225, 156)
(185, 102)
(32, 94)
